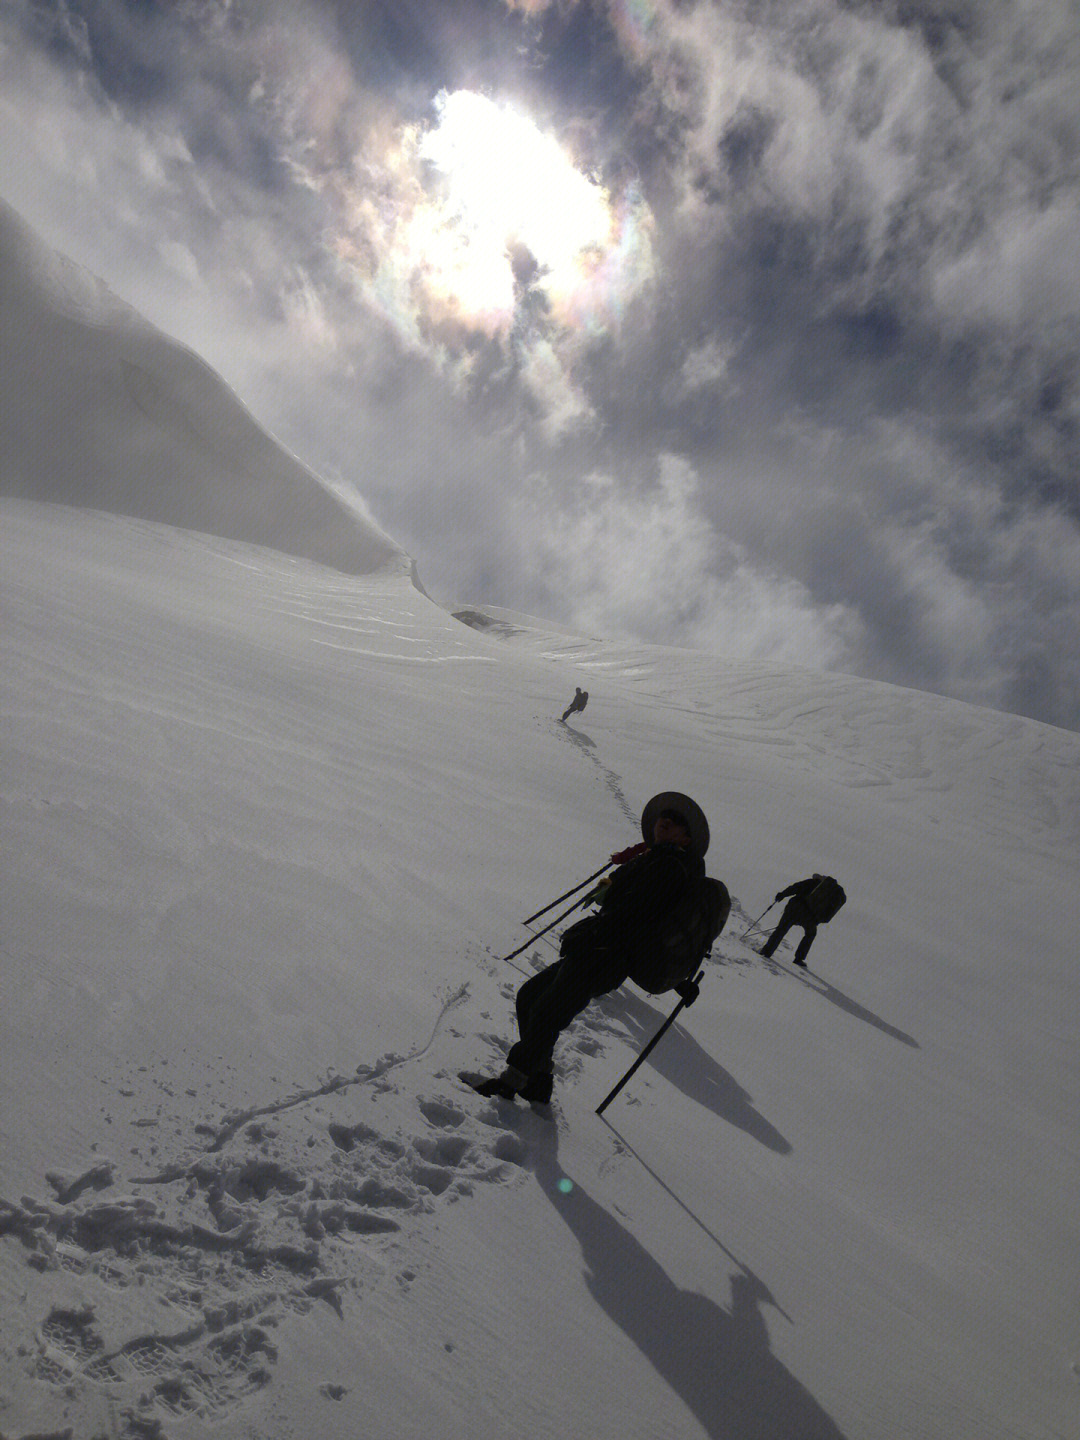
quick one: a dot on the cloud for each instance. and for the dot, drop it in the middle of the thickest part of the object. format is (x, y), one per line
(956, 587)
(706, 367)
(474, 226)
(563, 407)
(128, 194)
(1033, 256)
(884, 214)
(838, 282)
(651, 567)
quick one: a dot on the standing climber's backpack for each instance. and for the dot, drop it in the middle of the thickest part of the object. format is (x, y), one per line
(825, 899)
(684, 936)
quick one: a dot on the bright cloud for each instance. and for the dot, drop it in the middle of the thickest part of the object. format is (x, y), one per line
(483, 210)
(479, 227)
(652, 567)
(1034, 256)
(706, 367)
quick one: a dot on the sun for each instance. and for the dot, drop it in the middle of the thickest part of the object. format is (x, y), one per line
(498, 183)
(480, 224)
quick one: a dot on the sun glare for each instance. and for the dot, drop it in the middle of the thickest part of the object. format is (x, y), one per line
(500, 182)
(438, 229)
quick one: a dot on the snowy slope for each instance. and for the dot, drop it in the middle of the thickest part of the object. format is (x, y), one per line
(264, 823)
(267, 829)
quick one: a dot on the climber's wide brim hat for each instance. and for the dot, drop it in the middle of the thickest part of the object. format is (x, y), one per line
(689, 809)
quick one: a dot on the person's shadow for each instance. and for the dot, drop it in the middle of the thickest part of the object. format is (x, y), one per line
(813, 981)
(717, 1361)
(692, 1070)
(577, 737)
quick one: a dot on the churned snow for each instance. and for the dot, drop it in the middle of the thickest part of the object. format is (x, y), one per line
(268, 828)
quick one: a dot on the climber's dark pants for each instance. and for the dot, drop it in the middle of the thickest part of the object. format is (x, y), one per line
(551, 999)
(795, 913)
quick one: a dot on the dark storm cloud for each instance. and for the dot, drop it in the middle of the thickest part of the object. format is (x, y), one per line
(826, 407)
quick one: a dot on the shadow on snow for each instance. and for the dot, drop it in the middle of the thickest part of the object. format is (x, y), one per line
(813, 981)
(717, 1360)
(682, 1062)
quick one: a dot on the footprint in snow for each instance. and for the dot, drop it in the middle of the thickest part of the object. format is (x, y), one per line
(231, 1244)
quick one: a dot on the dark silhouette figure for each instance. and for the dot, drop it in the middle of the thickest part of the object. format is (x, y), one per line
(813, 902)
(598, 954)
(578, 703)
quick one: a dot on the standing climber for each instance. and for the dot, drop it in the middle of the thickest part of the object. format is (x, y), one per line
(580, 700)
(813, 902)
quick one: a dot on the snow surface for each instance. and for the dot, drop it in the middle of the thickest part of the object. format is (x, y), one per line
(267, 828)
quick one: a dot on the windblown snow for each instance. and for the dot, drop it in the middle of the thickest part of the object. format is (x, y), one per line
(270, 818)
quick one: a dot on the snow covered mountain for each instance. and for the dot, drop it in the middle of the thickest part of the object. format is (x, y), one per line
(268, 828)
(100, 409)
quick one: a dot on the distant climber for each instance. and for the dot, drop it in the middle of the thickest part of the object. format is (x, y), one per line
(597, 954)
(813, 902)
(580, 700)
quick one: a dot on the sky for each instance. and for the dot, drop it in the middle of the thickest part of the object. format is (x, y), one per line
(750, 328)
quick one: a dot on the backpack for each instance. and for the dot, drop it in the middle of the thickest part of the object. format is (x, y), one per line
(683, 937)
(825, 899)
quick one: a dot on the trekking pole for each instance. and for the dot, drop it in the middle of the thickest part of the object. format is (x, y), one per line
(536, 935)
(648, 1049)
(754, 923)
(530, 918)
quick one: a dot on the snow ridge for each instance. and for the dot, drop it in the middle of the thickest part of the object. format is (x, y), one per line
(99, 409)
